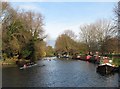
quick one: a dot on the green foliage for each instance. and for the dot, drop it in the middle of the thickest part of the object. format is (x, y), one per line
(65, 43)
(4, 55)
(23, 34)
(25, 53)
(49, 51)
(40, 47)
(116, 61)
(14, 45)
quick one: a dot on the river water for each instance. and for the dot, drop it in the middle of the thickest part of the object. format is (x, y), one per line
(58, 73)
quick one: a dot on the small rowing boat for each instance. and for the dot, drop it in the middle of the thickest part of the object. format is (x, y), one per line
(24, 67)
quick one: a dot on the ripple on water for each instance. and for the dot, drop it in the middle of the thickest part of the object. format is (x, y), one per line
(58, 73)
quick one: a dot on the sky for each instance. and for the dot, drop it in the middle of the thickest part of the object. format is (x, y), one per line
(60, 16)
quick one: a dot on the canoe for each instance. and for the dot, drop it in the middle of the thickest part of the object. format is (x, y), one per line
(106, 68)
(28, 66)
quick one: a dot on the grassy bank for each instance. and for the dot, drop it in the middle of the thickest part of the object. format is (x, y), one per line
(8, 62)
(116, 61)
(11, 62)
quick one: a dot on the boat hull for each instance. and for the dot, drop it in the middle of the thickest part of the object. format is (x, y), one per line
(105, 69)
(28, 66)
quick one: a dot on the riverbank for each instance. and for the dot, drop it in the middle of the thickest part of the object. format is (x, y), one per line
(8, 63)
(11, 62)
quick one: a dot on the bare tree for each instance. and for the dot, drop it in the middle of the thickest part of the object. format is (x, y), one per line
(33, 23)
(117, 21)
(70, 33)
(88, 34)
(95, 34)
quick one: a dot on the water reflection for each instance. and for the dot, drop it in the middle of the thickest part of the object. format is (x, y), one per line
(58, 73)
(119, 77)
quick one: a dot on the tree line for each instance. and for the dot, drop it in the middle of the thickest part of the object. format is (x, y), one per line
(102, 35)
(23, 34)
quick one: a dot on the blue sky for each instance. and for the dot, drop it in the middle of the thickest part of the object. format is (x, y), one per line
(59, 16)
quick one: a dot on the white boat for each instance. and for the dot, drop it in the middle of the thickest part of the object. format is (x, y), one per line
(28, 66)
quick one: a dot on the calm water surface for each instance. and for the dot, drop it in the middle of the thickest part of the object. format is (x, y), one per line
(58, 73)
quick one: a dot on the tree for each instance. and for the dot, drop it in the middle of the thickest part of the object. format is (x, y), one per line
(10, 25)
(23, 33)
(49, 51)
(117, 21)
(70, 33)
(34, 25)
(66, 44)
(96, 34)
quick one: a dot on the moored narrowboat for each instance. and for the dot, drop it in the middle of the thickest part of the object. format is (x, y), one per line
(105, 68)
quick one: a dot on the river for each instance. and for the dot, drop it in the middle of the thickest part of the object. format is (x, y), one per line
(58, 73)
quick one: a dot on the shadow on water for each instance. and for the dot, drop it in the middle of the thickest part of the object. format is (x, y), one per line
(119, 77)
(111, 74)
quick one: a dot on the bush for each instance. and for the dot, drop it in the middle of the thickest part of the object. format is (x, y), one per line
(26, 53)
(116, 61)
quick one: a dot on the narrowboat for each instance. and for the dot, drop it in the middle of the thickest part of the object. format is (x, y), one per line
(105, 68)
